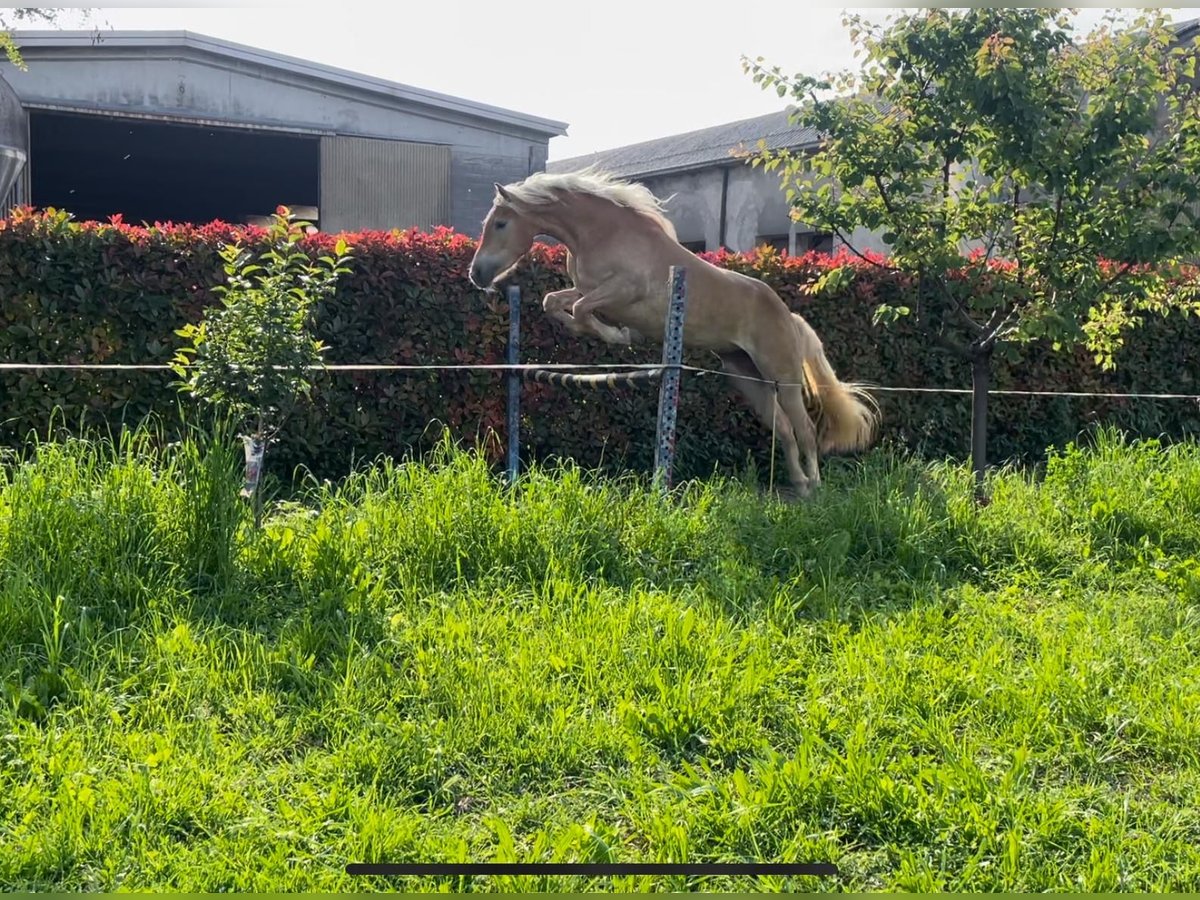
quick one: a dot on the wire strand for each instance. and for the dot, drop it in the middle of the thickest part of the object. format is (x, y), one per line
(1129, 395)
(698, 370)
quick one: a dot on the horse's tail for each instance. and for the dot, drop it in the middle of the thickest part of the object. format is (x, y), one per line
(602, 379)
(848, 416)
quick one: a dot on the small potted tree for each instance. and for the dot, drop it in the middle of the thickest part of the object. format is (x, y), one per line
(255, 354)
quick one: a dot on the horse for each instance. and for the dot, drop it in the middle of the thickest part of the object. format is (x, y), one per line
(620, 248)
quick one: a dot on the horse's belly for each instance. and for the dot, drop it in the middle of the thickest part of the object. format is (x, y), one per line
(645, 320)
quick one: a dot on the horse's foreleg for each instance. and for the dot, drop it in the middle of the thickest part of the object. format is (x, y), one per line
(610, 334)
(558, 305)
(561, 301)
(609, 297)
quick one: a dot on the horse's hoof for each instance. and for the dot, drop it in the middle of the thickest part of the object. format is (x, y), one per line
(787, 493)
(804, 491)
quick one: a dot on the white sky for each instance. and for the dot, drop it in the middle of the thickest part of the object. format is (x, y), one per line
(617, 71)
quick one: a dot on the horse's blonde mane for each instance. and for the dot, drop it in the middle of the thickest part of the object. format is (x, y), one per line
(540, 188)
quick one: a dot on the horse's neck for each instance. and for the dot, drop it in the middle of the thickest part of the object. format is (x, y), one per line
(578, 222)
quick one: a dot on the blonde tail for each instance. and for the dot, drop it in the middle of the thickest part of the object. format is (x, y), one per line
(848, 417)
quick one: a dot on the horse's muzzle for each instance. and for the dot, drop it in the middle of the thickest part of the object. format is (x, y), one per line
(481, 276)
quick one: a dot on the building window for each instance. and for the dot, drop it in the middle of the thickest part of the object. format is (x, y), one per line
(816, 240)
(806, 241)
(777, 241)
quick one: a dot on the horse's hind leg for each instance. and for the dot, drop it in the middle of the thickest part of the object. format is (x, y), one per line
(761, 398)
(797, 409)
(779, 363)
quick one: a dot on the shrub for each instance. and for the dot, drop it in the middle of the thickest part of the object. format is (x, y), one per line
(255, 355)
(117, 293)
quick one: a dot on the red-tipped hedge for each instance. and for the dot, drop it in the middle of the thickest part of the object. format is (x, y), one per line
(115, 293)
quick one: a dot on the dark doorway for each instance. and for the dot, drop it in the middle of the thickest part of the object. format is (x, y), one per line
(94, 166)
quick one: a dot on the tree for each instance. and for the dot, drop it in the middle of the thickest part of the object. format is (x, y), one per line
(1031, 185)
(255, 354)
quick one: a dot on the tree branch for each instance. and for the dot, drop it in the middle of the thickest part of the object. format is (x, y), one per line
(846, 242)
(999, 317)
(1016, 205)
(1058, 208)
(940, 338)
(883, 195)
(958, 307)
(1124, 270)
(945, 195)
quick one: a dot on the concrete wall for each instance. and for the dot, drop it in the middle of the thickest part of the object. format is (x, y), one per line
(230, 91)
(755, 206)
(695, 208)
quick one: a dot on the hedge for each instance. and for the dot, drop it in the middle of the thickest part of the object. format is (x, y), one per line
(115, 293)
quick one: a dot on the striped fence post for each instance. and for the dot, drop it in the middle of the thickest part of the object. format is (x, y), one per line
(513, 293)
(668, 391)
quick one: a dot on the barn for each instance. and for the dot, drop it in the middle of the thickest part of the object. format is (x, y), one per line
(177, 126)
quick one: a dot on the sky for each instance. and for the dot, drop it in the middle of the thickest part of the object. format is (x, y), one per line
(616, 72)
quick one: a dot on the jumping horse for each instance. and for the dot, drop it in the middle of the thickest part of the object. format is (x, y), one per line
(620, 249)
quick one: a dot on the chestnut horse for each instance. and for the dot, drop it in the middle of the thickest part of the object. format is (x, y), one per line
(620, 250)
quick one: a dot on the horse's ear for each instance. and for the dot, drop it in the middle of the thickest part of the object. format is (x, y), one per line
(501, 192)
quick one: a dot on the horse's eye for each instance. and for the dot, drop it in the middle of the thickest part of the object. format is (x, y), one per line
(500, 225)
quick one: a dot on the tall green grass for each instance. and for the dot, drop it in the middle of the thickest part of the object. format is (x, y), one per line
(422, 664)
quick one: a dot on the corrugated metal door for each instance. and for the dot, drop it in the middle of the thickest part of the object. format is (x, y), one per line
(18, 194)
(15, 134)
(368, 183)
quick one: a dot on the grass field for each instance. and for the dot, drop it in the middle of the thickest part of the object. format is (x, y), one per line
(420, 665)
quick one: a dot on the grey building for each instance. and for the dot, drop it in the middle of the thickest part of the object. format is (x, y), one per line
(172, 125)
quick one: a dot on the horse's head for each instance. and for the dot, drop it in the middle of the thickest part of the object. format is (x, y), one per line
(507, 236)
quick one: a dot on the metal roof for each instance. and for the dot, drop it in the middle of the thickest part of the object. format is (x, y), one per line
(199, 46)
(694, 149)
(1187, 28)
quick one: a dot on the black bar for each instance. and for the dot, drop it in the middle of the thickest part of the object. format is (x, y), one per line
(595, 869)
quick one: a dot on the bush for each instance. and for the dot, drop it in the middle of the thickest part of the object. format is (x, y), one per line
(116, 293)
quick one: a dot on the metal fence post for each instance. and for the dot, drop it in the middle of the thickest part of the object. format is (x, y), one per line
(513, 293)
(668, 391)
